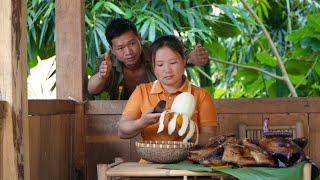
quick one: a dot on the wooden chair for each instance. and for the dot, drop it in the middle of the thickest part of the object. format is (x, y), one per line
(256, 132)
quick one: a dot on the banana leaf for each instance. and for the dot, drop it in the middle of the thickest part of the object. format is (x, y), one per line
(248, 173)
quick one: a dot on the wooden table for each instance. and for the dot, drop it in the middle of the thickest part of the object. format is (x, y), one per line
(135, 169)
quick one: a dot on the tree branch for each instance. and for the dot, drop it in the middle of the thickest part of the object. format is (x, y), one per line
(273, 48)
(247, 67)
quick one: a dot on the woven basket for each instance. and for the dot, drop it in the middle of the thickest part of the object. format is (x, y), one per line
(163, 151)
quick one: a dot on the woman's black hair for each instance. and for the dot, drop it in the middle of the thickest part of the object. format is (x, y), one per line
(169, 41)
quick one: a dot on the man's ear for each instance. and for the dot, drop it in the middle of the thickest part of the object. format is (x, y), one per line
(111, 49)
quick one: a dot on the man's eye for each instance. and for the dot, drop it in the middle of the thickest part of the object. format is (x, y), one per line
(119, 48)
(132, 43)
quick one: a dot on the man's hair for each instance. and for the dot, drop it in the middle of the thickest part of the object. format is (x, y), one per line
(169, 41)
(119, 26)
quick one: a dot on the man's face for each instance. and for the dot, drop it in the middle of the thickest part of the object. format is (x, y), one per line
(127, 48)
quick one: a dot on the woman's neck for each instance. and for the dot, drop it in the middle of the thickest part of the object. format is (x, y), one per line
(175, 88)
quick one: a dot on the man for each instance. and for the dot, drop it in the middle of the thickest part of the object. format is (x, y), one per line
(129, 63)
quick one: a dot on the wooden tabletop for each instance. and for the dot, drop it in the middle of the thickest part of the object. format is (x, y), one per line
(135, 169)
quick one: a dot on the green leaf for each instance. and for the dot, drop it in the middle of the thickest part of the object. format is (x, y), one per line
(297, 67)
(317, 69)
(152, 31)
(102, 38)
(114, 8)
(266, 59)
(295, 79)
(220, 92)
(312, 42)
(215, 49)
(144, 28)
(170, 3)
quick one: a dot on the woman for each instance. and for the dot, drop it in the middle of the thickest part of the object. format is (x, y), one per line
(168, 63)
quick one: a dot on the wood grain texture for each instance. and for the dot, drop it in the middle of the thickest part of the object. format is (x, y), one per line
(105, 107)
(50, 107)
(50, 144)
(70, 49)
(79, 148)
(13, 89)
(269, 105)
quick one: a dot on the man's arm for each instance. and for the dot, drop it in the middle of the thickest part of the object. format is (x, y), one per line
(98, 81)
(198, 56)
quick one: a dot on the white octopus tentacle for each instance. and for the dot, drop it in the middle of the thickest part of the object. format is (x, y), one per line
(190, 132)
(161, 122)
(184, 126)
(172, 124)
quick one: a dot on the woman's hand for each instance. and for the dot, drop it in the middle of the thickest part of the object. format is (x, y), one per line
(148, 118)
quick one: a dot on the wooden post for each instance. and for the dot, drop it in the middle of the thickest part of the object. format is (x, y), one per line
(13, 89)
(70, 54)
(70, 49)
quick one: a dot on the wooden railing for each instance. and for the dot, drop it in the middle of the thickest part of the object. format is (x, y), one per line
(51, 138)
(103, 144)
(65, 135)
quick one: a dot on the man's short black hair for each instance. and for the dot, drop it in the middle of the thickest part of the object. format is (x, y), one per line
(119, 26)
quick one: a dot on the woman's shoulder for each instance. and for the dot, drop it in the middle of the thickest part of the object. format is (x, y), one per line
(199, 92)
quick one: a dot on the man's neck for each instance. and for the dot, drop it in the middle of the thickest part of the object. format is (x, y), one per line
(133, 67)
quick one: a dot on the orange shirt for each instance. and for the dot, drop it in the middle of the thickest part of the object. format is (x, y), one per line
(146, 96)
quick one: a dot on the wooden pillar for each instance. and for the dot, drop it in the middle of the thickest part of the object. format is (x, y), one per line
(14, 162)
(70, 54)
(70, 49)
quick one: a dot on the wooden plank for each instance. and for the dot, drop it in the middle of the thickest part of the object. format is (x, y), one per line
(79, 149)
(104, 153)
(13, 89)
(229, 123)
(70, 49)
(270, 105)
(50, 107)
(52, 153)
(105, 107)
(102, 125)
(3, 114)
(314, 123)
(35, 148)
(227, 106)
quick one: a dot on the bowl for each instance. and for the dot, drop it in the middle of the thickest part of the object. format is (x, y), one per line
(163, 151)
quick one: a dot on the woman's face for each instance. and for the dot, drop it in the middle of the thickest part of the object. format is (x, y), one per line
(169, 68)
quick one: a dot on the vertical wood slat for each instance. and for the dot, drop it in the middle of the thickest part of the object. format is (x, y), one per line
(13, 76)
(50, 144)
(314, 143)
(70, 49)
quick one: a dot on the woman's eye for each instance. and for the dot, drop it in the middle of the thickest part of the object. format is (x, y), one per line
(173, 62)
(159, 65)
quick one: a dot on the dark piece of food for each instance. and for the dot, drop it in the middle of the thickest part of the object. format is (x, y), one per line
(208, 156)
(243, 155)
(283, 149)
(160, 107)
(222, 140)
(301, 142)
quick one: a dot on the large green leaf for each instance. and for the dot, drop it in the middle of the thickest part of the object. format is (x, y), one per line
(267, 59)
(297, 67)
(215, 49)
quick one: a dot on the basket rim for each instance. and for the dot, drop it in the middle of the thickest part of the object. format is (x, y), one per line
(164, 144)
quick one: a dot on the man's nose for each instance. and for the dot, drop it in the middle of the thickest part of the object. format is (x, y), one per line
(127, 50)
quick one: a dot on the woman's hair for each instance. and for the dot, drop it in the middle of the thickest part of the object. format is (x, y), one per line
(169, 41)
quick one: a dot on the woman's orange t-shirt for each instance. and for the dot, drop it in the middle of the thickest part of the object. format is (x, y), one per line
(146, 96)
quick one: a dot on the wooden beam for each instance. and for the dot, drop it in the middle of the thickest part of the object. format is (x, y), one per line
(70, 49)
(13, 89)
(50, 107)
(227, 106)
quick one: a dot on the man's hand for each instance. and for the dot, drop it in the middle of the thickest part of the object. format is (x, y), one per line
(198, 56)
(149, 118)
(105, 67)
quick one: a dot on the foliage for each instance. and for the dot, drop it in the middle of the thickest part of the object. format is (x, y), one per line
(224, 27)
